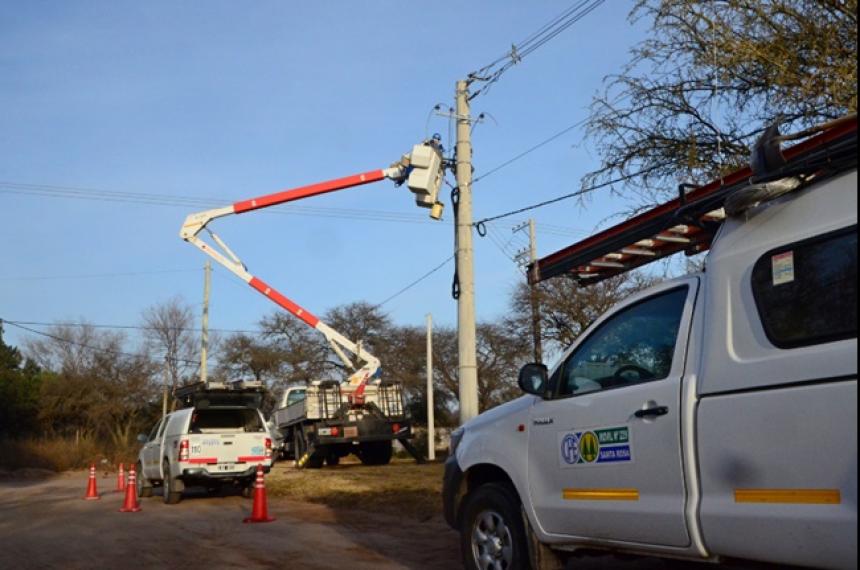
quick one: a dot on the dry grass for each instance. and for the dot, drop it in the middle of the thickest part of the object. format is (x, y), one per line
(60, 454)
(402, 487)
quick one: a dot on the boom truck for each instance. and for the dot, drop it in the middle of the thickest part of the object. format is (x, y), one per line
(325, 419)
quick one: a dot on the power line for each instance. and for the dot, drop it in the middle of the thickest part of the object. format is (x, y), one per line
(72, 192)
(92, 348)
(126, 327)
(491, 72)
(480, 225)
(532, 149)
(417, 281)
(96, 275)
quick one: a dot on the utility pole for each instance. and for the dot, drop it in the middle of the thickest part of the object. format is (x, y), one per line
(204, 336)
(431, 427)
(468, 369)
(164, 387)
(534, 301)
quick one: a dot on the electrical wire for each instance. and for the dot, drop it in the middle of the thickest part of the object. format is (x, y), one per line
(96, 275)
(73, 192)
(416, 282)
(480, 225)
(92, 348)
(530, 150)
(490, 73)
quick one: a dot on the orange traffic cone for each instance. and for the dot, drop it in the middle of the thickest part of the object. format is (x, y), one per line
(130, 505)
(120, 478)
(260, 511)
(92, 492)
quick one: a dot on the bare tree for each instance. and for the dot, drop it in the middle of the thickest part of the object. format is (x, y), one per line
(171, 337)
(243, 354)
(567, 308)
(710, 76)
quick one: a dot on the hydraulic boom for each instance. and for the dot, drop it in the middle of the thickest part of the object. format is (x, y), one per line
(423, 177)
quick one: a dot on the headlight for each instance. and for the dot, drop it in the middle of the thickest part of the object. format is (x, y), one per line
(456, 437)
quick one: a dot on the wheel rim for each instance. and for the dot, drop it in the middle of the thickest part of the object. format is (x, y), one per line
(138, 481)
(492, 544)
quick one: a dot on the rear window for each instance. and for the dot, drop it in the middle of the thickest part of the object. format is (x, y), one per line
(235, 420)
(806, 292)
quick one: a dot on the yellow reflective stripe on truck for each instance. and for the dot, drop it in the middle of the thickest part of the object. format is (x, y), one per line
(600, 494)
(789, 496)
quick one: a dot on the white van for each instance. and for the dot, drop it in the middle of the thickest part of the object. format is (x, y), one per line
(207, 446)
(710, 417)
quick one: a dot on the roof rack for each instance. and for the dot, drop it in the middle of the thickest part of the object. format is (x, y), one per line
(203, 394)
(689, 222)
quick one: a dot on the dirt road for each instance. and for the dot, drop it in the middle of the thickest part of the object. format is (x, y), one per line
(45, 523)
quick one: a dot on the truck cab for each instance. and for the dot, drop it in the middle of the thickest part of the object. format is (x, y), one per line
(710, 417)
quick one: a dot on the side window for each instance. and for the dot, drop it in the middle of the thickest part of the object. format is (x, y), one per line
(152, 434)
(806, 292)
(162, 427)
(295, 396)
(634, 346)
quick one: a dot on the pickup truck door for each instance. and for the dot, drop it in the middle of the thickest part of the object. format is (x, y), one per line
(605, 452)
(152, 451)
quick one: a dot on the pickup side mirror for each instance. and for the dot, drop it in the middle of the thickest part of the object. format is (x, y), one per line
(533, 379)
(142, 438)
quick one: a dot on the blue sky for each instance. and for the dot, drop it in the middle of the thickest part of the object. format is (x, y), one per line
(219, 101)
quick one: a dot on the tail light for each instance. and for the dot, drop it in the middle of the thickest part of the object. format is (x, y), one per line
(335, 431)
(395, 428)
(184, 450)
(268, 448)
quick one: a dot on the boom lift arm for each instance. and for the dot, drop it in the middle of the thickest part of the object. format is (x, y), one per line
(423, 172)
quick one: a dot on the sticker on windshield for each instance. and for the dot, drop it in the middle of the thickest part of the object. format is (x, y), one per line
(596, 446)
(783, 268)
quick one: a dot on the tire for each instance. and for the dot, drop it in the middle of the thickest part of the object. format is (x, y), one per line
(300, 445)
(170, 496)
(492, 534)
(375, 452)
(144, 487)
(332, 460)
(248, 489)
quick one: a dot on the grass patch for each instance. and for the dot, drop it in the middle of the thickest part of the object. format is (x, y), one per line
(402, 487)
(60, 454)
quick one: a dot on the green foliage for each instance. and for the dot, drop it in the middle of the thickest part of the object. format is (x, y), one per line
(20, 383)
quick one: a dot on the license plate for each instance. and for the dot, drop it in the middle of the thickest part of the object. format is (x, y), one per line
(226, 467)
(350, 431)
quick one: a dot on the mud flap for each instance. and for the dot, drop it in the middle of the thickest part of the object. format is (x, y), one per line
(541, 556)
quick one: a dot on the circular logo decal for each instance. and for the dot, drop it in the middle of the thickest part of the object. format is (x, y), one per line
(589, 447)
(570, 449)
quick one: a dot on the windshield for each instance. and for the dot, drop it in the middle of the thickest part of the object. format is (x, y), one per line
(236, 420)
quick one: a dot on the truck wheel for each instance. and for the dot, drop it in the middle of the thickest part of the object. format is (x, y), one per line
(169, 493)
(375, 452)
(332, 459)
(144, 487)
(248, 488)
(492, 534)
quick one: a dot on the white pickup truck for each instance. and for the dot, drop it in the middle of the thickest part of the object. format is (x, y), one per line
(710, 417)
(207, 446)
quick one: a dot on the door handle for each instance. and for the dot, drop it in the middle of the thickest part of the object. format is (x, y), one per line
(652, 412)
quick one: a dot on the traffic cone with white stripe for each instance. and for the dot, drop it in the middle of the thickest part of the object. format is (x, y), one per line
(92, 491)
(120, 479)
(260, 511)
(130, 505)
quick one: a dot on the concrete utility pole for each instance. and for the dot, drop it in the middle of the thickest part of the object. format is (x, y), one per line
(164, 387)
(468, 369)
(431, 427)
(204, 336)
(534, 301)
